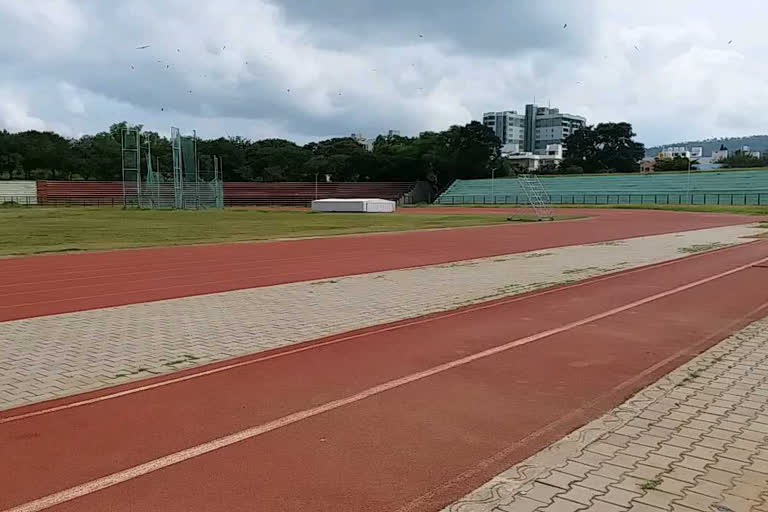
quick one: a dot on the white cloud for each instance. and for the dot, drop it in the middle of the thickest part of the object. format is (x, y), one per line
(14, 112)
(283, 68)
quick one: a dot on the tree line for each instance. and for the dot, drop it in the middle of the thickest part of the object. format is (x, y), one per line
(466, 152)
(469, 151)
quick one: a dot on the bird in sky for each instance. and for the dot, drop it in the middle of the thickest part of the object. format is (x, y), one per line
(565, 25)
(132, 67)
(421, 36)
(729, 42)
(162, 109)
(636, 48)
(143, 47)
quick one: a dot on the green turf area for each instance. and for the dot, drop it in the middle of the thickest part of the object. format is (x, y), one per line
(39, 230)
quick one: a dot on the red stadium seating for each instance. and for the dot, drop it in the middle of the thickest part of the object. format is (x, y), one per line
(302, 194)
(110, 193)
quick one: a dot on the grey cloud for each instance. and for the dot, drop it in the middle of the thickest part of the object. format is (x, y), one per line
(491, 27)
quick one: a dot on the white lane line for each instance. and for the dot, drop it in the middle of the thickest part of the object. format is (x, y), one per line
(249, 433)
(430, 318)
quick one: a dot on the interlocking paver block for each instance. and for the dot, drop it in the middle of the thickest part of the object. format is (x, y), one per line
(560, 505)
(708, 488)
(542, 492)
(693, 463)
(696, 501)
(576, 468)
(559, 479)
(519, 504)
(611, 471)
(659, 461)
(601, 506)
(617, 496)
(738, 503)
(658, 498)
(579, 494)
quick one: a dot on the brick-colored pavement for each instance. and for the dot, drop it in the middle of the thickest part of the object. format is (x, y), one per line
(695, 440)
(54, 356)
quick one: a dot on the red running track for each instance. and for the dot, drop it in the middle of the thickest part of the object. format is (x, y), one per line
(51, 284)
(405, 417)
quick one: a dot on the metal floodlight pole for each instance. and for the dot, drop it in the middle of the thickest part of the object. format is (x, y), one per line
(316, 186)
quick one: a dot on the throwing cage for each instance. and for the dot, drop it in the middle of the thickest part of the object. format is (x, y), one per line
(188, 187)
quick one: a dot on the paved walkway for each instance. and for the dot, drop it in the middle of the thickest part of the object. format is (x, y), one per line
(695, 440)
(48, 357)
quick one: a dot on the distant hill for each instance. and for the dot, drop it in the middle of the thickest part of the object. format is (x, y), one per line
(755, 143)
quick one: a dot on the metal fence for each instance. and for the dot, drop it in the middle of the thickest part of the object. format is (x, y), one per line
(696, 198)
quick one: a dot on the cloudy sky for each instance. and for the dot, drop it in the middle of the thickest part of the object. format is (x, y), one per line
(304, 69)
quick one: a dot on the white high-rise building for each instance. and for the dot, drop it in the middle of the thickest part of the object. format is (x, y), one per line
(533, 131)
(508, 125)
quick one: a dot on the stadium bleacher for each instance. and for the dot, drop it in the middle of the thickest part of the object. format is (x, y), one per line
(727, 187)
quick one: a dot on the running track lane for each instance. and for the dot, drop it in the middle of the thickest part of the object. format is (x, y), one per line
(416, 445)
(46, 285)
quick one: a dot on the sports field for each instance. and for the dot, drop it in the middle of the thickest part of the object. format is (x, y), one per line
(387, 373)
(41, 230)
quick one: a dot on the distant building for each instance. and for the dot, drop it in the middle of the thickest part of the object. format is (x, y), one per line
(544, 126)
(392, 133)
(697, 152)
(363, 141)
(675, 152)
(745, 150)
(647, 165)
(508, 126)
(526, 161)
(720, 154)
(533, 131)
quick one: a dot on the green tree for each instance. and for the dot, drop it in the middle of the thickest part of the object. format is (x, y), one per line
(275, 160)
(678, 163)
(742, 160)
(97, 157)
(604, 148)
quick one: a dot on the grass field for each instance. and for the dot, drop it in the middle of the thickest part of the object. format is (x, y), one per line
(40, 230)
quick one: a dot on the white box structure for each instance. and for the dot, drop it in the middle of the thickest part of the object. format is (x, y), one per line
(353, 205)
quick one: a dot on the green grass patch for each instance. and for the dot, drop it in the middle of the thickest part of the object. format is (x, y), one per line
(45, 230)
(649, 485)
(693, 249)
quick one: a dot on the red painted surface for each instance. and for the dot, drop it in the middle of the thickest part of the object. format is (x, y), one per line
(417, 447)
(45, 285)
(302, 193)
(108, 193)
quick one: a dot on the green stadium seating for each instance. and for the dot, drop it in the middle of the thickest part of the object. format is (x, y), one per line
(726, 188)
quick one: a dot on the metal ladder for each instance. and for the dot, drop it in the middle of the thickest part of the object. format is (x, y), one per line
(537, 195)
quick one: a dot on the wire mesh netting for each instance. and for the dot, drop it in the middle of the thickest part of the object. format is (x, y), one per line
(189, 186)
